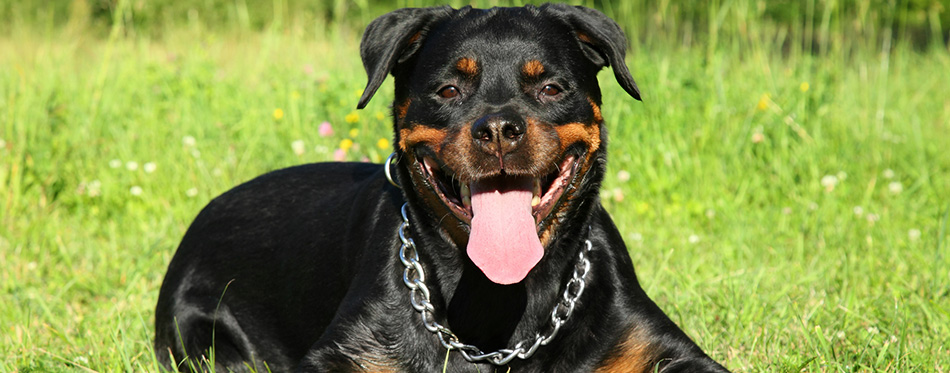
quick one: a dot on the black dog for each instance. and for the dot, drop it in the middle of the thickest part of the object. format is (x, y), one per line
(502, 250)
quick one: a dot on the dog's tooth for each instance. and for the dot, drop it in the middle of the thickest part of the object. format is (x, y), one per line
(466, 191)
(535, 201)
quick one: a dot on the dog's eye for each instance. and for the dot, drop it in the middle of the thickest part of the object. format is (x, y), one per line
(550, 90)
(449, 91)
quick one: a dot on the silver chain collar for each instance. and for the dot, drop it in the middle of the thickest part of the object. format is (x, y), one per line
(414, 277)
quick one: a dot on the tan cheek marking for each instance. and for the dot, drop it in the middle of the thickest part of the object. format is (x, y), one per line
(421, 134)
(403, 108)
(467, 66)
(546, 234)
(544, 144)
(598, 117)
(532, 69)
(634, 354)
(574, 132)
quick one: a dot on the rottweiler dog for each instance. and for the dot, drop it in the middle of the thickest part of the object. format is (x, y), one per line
(488, 252)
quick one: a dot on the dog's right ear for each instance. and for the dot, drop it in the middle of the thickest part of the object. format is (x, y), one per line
(601, 38)
(392, 38)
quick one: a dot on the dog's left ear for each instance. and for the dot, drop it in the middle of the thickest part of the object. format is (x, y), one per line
(392, 38)
(602, 40)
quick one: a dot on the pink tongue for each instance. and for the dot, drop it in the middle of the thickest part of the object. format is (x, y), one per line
(504, 241)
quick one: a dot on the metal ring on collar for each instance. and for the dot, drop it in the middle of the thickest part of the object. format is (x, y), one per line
(389, 174)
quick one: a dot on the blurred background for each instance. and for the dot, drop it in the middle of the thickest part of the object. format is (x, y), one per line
(815, 25)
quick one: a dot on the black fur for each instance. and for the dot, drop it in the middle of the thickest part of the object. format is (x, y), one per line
(298, 268)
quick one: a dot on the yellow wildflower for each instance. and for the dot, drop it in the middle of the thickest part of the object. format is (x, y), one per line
(346, 144)
(642, 207)
(803, 87)
(278, 113)
(354, 132)
(352, 117)
(763, 102)
(380, 115)
(382, 144)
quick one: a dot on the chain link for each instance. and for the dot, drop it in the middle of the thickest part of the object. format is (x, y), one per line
(414, 278)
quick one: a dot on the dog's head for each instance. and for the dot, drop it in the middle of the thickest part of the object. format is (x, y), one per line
(497, 120)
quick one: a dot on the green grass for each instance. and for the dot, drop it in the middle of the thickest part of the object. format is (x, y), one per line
(783, 228)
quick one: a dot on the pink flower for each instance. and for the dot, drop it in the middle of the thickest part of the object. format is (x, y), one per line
(339, 155)
(326, 129)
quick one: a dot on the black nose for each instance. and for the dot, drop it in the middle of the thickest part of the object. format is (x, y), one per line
(498, 134)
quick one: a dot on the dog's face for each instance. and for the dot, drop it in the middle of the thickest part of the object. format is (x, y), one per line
(498, 119)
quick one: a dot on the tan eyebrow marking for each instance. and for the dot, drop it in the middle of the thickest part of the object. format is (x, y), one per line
(532, 69)
(467, 66)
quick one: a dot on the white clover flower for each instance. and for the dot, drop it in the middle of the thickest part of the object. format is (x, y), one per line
(636, 236)
(858, 211)
(693, 239)
(829, 182)
(135, 190)
(131, 165)
(188, 141)
(888, 173)
(299, 147)
(193, 192)
(617, 194)
(623, 176)
(94, 188)
(914, 234)
(115, 163)
(895, 187)
(149, 167)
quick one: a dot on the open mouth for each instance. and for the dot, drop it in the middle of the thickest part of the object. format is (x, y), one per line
(546, 191)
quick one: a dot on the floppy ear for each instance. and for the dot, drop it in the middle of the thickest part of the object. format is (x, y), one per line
(393, 37)
(602, 40)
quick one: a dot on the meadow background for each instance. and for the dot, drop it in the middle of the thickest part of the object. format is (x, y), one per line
(784, 187)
